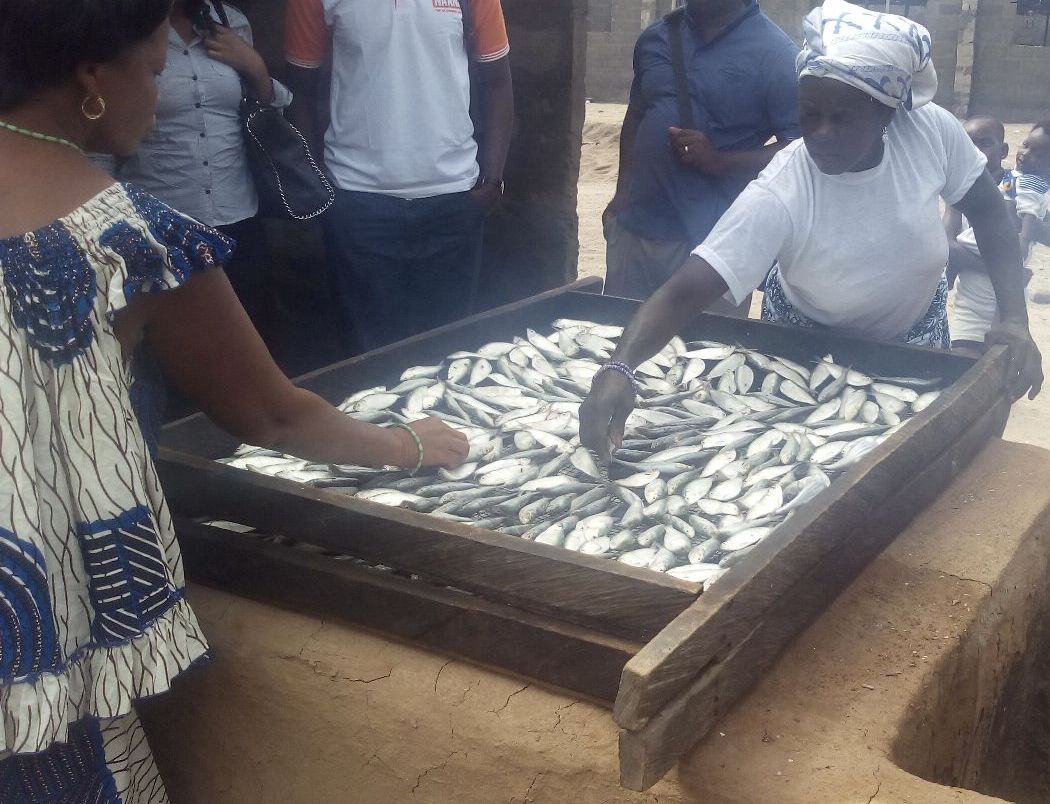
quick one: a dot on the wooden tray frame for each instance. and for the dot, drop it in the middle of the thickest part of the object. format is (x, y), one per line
(558, 617)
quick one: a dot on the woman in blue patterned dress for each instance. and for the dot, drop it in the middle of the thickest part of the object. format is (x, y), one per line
(92, 608)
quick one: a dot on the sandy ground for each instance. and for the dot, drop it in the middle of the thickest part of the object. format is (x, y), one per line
(598, 170)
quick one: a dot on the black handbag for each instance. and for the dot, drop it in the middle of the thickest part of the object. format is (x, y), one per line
(288, 181)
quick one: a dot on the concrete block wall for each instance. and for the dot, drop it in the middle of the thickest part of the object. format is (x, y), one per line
(612, 29)
(1010, 81)
(614, 25)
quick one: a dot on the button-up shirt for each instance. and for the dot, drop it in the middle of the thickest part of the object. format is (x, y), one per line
(743, 88)
(195, 159)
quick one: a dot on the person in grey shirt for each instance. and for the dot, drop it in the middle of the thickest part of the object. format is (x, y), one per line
(195, 159)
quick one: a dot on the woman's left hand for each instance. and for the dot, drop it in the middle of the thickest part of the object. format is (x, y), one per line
(1026, 363)
(227, 47)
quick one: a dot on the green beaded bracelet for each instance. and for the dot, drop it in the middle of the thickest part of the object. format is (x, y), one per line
(419, 444)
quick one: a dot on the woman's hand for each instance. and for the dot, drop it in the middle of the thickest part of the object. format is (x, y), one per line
(442, 445)
(227, 47)
(1026, 363)
(603, 414)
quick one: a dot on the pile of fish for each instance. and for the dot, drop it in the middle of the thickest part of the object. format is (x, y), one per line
(724, 445)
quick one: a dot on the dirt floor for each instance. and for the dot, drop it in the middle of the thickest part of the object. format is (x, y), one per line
(598, 169)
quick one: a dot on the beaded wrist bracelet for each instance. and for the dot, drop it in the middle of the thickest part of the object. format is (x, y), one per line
(620, 368)
(419, 444)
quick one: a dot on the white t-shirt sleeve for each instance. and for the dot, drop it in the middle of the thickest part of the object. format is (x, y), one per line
(746, 241)
(963, 163)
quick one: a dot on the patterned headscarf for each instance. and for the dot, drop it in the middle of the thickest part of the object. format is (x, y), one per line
(885, 55)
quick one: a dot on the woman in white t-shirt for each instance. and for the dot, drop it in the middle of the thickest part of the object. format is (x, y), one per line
(849, 215)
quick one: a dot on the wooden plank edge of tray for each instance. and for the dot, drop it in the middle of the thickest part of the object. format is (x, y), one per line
(648, 753)
(712, 625)
(559, 655)
(593, 592)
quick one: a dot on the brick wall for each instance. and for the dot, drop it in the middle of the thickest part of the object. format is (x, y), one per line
(614, 25)
(1010, 81)
(612, 28)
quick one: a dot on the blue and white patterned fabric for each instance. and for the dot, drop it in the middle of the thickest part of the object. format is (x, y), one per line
(930, 330)
(885, 55)
(101, 762)
(92, 614)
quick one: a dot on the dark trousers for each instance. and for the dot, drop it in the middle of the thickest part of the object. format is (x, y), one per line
(249, 273)
(399, 266)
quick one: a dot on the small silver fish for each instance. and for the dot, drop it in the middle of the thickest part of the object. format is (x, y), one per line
(726, 365)
(677, 542)
(869, 412)
(795, 391)
(651, 535)
(727, 490)
(825, 411)
(923, 401)
(663, 560)
(459, 370)
(639, 558)
(655, 490)
(745, 538)
(696, 573)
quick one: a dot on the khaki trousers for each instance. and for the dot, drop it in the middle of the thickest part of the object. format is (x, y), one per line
(636, 267)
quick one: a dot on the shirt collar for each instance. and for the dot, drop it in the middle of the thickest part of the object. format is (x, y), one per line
(750, 10)
(175, 40)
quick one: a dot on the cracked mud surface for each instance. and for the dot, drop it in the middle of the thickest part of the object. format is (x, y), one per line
(297, 711)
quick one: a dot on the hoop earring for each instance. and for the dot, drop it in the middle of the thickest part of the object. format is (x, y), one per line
(94, 114)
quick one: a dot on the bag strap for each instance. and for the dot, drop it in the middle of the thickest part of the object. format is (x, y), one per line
(221, 11)
(681, 81)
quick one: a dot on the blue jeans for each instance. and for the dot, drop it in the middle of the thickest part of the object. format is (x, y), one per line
(399, 266)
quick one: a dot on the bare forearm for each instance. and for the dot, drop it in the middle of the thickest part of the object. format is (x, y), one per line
(303, 113)
(499, 117)
(316, 431)
(1001, 251)
(747, 163)
(692, 289)
(997, 240)
(258, 80)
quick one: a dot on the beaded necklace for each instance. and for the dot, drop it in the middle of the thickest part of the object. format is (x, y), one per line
(36, 135)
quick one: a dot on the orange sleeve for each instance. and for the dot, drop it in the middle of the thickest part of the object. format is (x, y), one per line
(306, 34)
(490, 31)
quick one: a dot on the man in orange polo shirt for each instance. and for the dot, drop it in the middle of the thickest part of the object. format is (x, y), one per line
(404, 236)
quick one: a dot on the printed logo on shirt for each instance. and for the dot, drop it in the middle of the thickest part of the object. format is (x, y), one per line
(448, 5)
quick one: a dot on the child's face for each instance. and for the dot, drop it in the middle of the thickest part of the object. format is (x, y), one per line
(1034, 155)
(985, 135)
